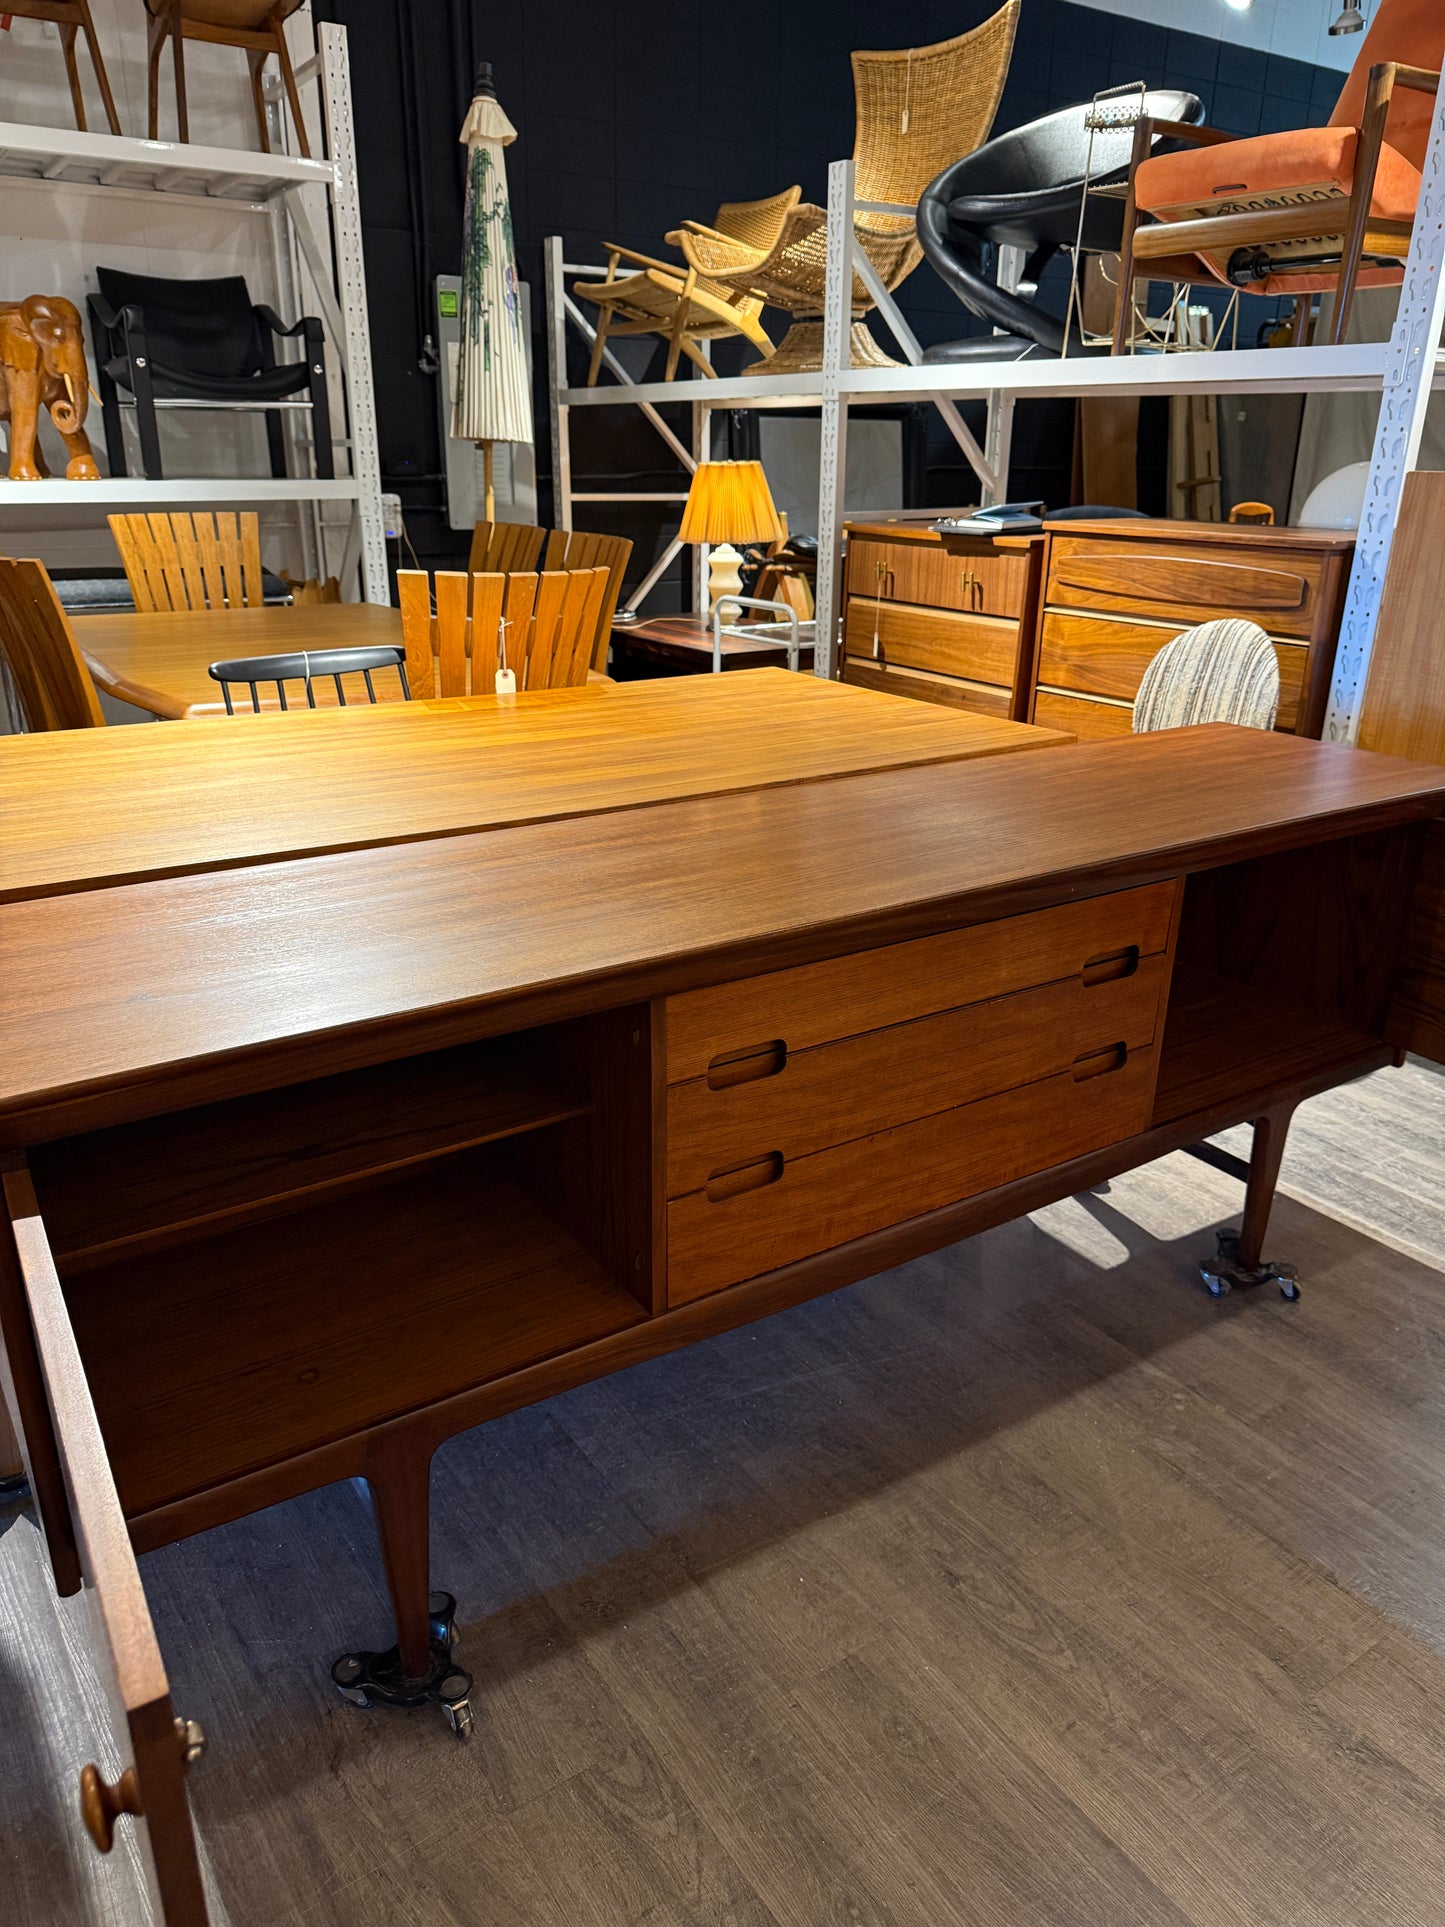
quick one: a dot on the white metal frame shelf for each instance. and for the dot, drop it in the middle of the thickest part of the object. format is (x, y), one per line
(280, 186)
(1405, 370)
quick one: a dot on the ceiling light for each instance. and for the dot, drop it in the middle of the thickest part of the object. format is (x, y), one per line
(1239, 6)
(1349, 20)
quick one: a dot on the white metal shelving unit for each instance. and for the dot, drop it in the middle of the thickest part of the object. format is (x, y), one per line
(58, 160)
(1405, 370)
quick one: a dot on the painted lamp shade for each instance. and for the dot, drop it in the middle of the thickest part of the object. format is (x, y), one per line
(493, 397)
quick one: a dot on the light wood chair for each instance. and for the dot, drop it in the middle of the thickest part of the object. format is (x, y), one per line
(543, 624)
(515, 545)
(678, 300)
(183, 561)
(916, 111)
(41, 652)
(258, 27)
(72, 17)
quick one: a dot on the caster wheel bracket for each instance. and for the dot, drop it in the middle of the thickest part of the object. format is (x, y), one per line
(1224, 1273)
(378, 1678)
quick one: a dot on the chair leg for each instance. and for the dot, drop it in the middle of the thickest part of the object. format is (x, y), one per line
(697, 357)
(1238, 1261)
(178, 61)
(594, 366)
(257, 59)
(276, 443)
(288, 81)
(325, 457)
(72, 74)
(111, 423)
(156, 41)
(1299, 333)
(101, 76)
(676, 339)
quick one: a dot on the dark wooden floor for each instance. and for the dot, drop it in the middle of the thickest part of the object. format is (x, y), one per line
(1022, 1586)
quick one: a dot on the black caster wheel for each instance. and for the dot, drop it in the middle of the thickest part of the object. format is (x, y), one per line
(380, 1679)
(456, 1704)
(1288, 1284)
(442, 1619)
(344, 1677)
(1223, 1272)
(1214, 1284)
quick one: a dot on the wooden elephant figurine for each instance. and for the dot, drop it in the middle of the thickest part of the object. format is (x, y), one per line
(42, 365)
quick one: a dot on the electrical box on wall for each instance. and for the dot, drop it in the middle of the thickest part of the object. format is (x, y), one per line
(514, 464)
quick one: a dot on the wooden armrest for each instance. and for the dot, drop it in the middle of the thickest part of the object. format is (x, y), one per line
(645, 260)
(1183, 130)
(709, 233)
(1420, 78)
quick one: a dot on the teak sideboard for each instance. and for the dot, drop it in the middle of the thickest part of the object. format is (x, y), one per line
(312, 1163)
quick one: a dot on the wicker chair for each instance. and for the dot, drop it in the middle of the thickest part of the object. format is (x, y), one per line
(917, 110)
(678, 301)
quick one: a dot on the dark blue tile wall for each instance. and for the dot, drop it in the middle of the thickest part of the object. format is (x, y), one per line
(635, 114)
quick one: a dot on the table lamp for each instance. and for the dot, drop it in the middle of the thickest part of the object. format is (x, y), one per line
(728, 502)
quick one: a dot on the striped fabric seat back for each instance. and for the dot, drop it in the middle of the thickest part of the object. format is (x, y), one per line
(1221, 672)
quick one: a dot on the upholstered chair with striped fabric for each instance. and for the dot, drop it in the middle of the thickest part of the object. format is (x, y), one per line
(1221, 672)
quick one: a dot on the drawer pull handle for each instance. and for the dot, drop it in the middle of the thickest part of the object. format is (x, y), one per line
(1099, 1063)
(746, 1066)
(741, 1178)
(1110, 968)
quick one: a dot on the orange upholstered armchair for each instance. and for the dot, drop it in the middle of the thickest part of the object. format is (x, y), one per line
(1320, 209)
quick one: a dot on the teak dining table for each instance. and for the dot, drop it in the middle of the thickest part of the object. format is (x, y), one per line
(321, 1144)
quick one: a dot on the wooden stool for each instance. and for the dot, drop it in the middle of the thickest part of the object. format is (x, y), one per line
(72, 17)
(259, 26)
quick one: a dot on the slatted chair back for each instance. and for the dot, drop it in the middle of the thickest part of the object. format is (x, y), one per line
(40, 649)
(1220, 672)
(539, 625)
(500, 547)
(308, 667)
(575, 549)
(185, 561)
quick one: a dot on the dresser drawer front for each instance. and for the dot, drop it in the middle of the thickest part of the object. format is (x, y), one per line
(971, 576)
(927, 686)
(844, 996)
(806, 1101)
(980, 647)
(1278, 589)
(1102, 657)
(1091, 719)
(798, 1209)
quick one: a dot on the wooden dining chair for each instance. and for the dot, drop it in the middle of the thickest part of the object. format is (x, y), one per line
(41, 652)
(183, 561)
(257, 27)
(72, 17)
(517, 545)
(308, 667)
(540, 625)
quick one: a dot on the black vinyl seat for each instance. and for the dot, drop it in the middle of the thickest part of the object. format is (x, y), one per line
(1023, 190)
(171, 344)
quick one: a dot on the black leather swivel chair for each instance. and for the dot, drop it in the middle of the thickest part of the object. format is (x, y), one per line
(200, 344)
(1022, 190)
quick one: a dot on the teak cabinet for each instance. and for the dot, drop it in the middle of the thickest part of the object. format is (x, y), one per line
(238, 1275)
(1116, 591)
(944, 618)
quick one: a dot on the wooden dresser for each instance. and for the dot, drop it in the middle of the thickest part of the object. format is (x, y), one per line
(944, 618)
(1117, 591)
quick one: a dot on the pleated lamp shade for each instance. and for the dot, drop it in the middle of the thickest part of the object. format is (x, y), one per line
(730, 502)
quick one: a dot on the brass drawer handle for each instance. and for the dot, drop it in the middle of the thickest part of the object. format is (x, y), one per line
(1099, 1063)
(742, 1178)
(733, 1067)
(1109, 968)
(102, 1805)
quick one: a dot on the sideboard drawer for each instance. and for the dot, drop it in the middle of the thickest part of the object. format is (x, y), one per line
(775, 1212)
(927, 686)
(1278, 588)
(1102, 656)
(971, 576)
(982, 647)
(796, 1103)
(843, 996)
(1091, 718)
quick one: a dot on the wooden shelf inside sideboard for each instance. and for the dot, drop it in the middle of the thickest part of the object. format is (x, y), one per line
(1222, 1038)
(227, 1354)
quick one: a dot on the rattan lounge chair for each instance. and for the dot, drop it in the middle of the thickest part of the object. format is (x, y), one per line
(678, 301)
(917, 110)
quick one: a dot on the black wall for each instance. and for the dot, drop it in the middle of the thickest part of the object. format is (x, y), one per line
(635, 114)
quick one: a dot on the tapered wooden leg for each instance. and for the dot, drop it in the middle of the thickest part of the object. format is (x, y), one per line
(72, 74)
(1270, 1133)
(157, 39)
(288, 81)
(258, 95)
(101, 76)
(594, 366)
(400, 1482)
(1299, 335)
(178, 60)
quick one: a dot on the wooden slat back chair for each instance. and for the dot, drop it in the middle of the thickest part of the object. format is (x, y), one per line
(575, 549)
(191, 561)
(499, 547)
(41, 652)
(544, 623)
(309, 666)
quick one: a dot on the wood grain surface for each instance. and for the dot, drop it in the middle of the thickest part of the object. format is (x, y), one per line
(157, 659)
(128, 1002)
(298, 784)
(1104, 656)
